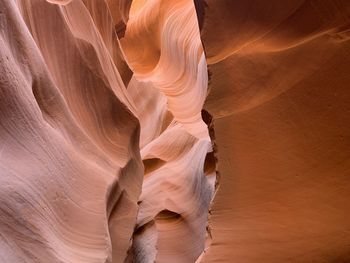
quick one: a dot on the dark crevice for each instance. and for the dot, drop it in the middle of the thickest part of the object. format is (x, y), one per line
(200, 6)
(141, 229)
(136, 253)
(168, 216)
(152, 164)
(210, 163)
(120, 29)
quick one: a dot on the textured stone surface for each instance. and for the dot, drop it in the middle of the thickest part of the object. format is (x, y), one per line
(174, 131)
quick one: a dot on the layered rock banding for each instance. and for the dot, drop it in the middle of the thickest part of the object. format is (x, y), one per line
(101, 159)
(117, 116)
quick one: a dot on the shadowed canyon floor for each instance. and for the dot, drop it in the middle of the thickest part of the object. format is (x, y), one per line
(174, 131)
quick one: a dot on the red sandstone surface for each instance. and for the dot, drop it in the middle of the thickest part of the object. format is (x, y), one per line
(174, 131)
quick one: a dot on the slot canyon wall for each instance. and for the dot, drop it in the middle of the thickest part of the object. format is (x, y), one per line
(279, 96)
(174, 131)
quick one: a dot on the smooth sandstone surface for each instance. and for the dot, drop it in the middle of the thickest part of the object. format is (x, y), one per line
(174, 131)
(279, 96)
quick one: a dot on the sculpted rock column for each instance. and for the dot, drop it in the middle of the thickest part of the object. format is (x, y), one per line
(163, 48)
(71, 170)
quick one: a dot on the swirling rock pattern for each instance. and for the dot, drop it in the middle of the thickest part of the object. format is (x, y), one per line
(102, 161)
(163, 48)
(71, 172)
(118, 116)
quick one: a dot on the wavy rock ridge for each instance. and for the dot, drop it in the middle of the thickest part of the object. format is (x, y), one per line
(103, 147)
(107, 144)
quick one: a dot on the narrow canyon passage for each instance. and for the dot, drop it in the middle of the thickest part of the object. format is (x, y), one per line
(169, 71)
(174, 131)
(120, 161)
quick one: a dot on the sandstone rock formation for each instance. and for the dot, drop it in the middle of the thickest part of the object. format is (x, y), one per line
(279, 96)
(174, 131)
(101, 160)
